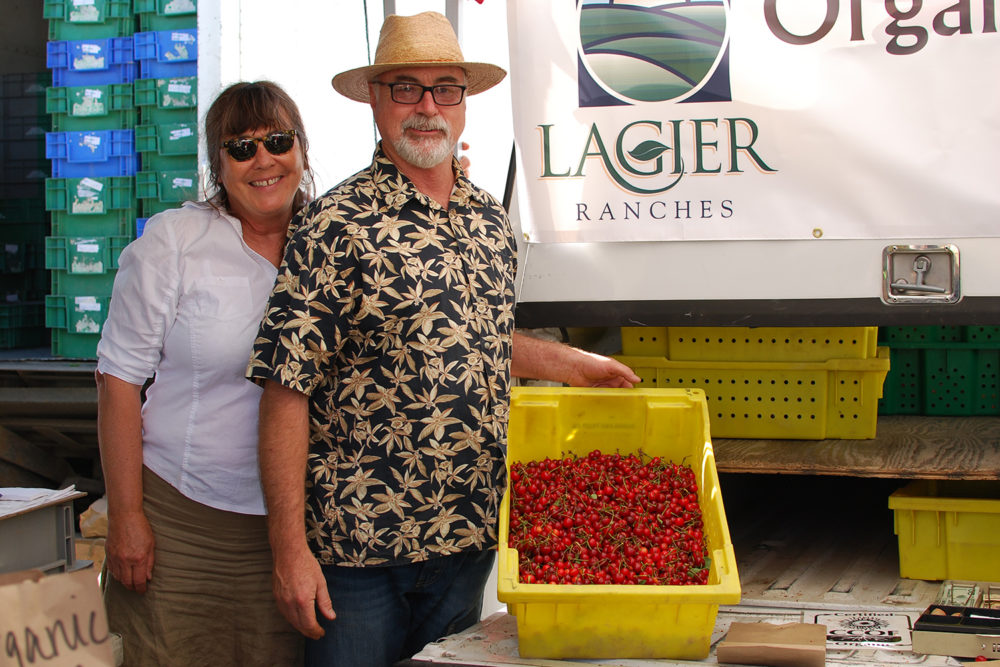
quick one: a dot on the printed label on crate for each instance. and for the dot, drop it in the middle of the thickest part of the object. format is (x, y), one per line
(85, 322)
(83, 259)
(179, 7)
(88, 197)
(180, 133)
(91, 141)
(180, 183)
(91, 103)
(856, 630)
(84, 11)
(90, 57)
(181, 87)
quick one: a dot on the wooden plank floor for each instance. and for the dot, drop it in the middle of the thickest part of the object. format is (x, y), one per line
(904, 447)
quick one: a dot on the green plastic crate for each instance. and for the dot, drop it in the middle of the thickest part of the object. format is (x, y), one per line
(84, 255)
(23, 209)
(89, 196)
(79, 314)
(168, 146)
(932, 336)
(22, 248)
(166, 14)
(13, 339)
(20, 315)
(150, 207)
(81, 108)
(167, 187)
(81, 284)
(957, 379)
(91, 19)
(103, 206)
(167, 100)
(115, 223)
(68, 345)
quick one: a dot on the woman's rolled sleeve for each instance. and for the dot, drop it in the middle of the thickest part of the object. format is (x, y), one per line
(143, 305)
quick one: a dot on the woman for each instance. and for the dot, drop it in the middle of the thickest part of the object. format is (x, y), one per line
(187, 549)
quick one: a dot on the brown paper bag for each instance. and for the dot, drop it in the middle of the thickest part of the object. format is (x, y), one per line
(786, 645)
(56, 620)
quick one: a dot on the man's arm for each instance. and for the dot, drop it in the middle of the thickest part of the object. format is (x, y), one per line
(299, 585)
(547, 360)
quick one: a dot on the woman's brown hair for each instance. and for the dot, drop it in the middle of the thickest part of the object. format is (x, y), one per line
(244, 107)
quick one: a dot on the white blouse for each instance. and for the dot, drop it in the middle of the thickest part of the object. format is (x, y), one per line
(186, 305)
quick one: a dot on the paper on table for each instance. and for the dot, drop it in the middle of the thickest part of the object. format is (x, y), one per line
(16, 499)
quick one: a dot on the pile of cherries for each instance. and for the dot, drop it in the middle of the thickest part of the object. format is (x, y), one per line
(607, 519)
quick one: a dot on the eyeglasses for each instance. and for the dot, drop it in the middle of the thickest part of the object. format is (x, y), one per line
(276, 143)
(444, 94)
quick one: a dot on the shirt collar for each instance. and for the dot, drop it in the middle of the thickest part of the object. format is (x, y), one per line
(398, 189)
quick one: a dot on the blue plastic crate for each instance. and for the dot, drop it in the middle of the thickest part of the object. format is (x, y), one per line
(167, 53)
(140, 226)
(91, 61)
(91, 153)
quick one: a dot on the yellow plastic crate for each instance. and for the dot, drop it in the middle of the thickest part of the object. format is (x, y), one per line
(751, 343)
(783, 400)
(608, 621)
(948, 529)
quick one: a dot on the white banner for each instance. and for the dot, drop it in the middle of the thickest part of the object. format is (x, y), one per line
(645, 120)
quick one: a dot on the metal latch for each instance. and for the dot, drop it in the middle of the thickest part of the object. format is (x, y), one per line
(920, 274)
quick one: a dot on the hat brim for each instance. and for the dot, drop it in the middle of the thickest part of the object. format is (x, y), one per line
(354, 82)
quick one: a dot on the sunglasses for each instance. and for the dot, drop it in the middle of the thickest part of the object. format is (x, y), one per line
(244, 148)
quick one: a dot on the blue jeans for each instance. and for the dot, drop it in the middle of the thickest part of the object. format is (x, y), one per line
(386, 614)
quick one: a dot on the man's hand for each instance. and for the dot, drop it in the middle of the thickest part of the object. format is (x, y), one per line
(129, 550)
(300, 588)
(548, 360)
(595, 370)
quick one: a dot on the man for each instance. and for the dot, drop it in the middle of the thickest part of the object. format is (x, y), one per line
(386, 355)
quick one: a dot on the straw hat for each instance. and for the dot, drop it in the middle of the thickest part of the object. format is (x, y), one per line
(416, 41)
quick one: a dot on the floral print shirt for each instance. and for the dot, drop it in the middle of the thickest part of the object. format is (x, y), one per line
(395, 316)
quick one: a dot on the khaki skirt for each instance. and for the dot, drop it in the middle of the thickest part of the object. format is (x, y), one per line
(209, 601)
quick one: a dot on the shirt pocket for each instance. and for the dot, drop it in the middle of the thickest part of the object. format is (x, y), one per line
(222, 298)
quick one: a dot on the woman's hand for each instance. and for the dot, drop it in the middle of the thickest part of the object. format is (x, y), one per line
(129, 548)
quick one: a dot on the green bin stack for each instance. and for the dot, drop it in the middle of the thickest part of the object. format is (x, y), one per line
(23, 219)
(95, 215)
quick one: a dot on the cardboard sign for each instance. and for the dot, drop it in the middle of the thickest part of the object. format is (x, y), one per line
(55, 621)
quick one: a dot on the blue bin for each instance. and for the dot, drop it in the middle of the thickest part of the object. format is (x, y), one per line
(88, 62)
(91, 153)
(167, 53)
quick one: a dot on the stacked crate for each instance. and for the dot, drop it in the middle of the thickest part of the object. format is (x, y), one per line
(768, 382)
(107, 146)
(91, 192)
(23, 220)
(167, 97)
(942, 370)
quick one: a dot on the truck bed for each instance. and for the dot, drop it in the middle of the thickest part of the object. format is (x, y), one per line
(809, 549)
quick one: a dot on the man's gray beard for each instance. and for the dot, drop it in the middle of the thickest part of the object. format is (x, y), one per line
(424, 153)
